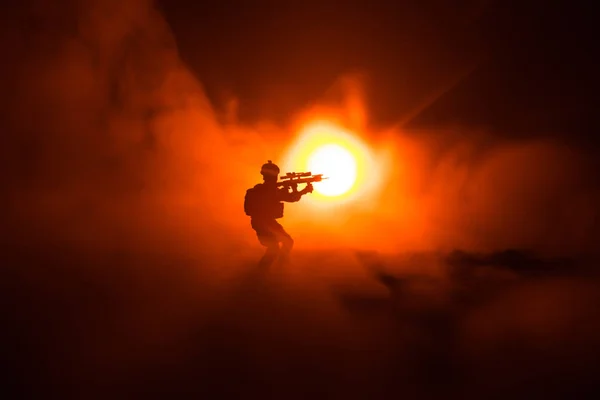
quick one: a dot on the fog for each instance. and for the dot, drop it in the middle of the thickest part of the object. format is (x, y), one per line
(131, 265)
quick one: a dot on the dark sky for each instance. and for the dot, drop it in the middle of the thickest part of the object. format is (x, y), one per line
(517, 67)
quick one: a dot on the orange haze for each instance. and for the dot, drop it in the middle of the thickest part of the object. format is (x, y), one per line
(130, 254)
(132, 151)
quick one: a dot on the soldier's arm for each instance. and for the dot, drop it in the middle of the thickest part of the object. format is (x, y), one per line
(290, 197)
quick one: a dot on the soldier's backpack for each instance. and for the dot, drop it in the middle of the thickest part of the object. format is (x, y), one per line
(252, 201)
(262, 204)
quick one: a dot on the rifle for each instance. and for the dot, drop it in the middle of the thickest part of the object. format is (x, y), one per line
(292, 179)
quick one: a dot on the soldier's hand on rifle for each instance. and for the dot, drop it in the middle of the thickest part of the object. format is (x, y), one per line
(308, 188)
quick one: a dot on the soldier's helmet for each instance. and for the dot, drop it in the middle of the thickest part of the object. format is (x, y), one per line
(269, 169)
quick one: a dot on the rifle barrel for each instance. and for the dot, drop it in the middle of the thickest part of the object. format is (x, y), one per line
(294, 181)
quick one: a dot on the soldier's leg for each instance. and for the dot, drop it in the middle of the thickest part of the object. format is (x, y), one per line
(287, 243)
(267, 238)
(270, 254)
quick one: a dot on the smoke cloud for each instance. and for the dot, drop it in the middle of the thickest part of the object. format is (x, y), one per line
(112, 132)
(124, 189)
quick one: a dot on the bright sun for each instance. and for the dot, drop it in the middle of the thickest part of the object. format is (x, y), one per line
(338, 165)
(325, 148)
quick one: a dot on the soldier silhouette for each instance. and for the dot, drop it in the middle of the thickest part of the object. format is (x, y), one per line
(264, 204)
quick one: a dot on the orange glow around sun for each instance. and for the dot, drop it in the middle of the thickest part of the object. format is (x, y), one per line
(325, 148)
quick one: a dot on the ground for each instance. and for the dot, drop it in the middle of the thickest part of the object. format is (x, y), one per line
(335, 324)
